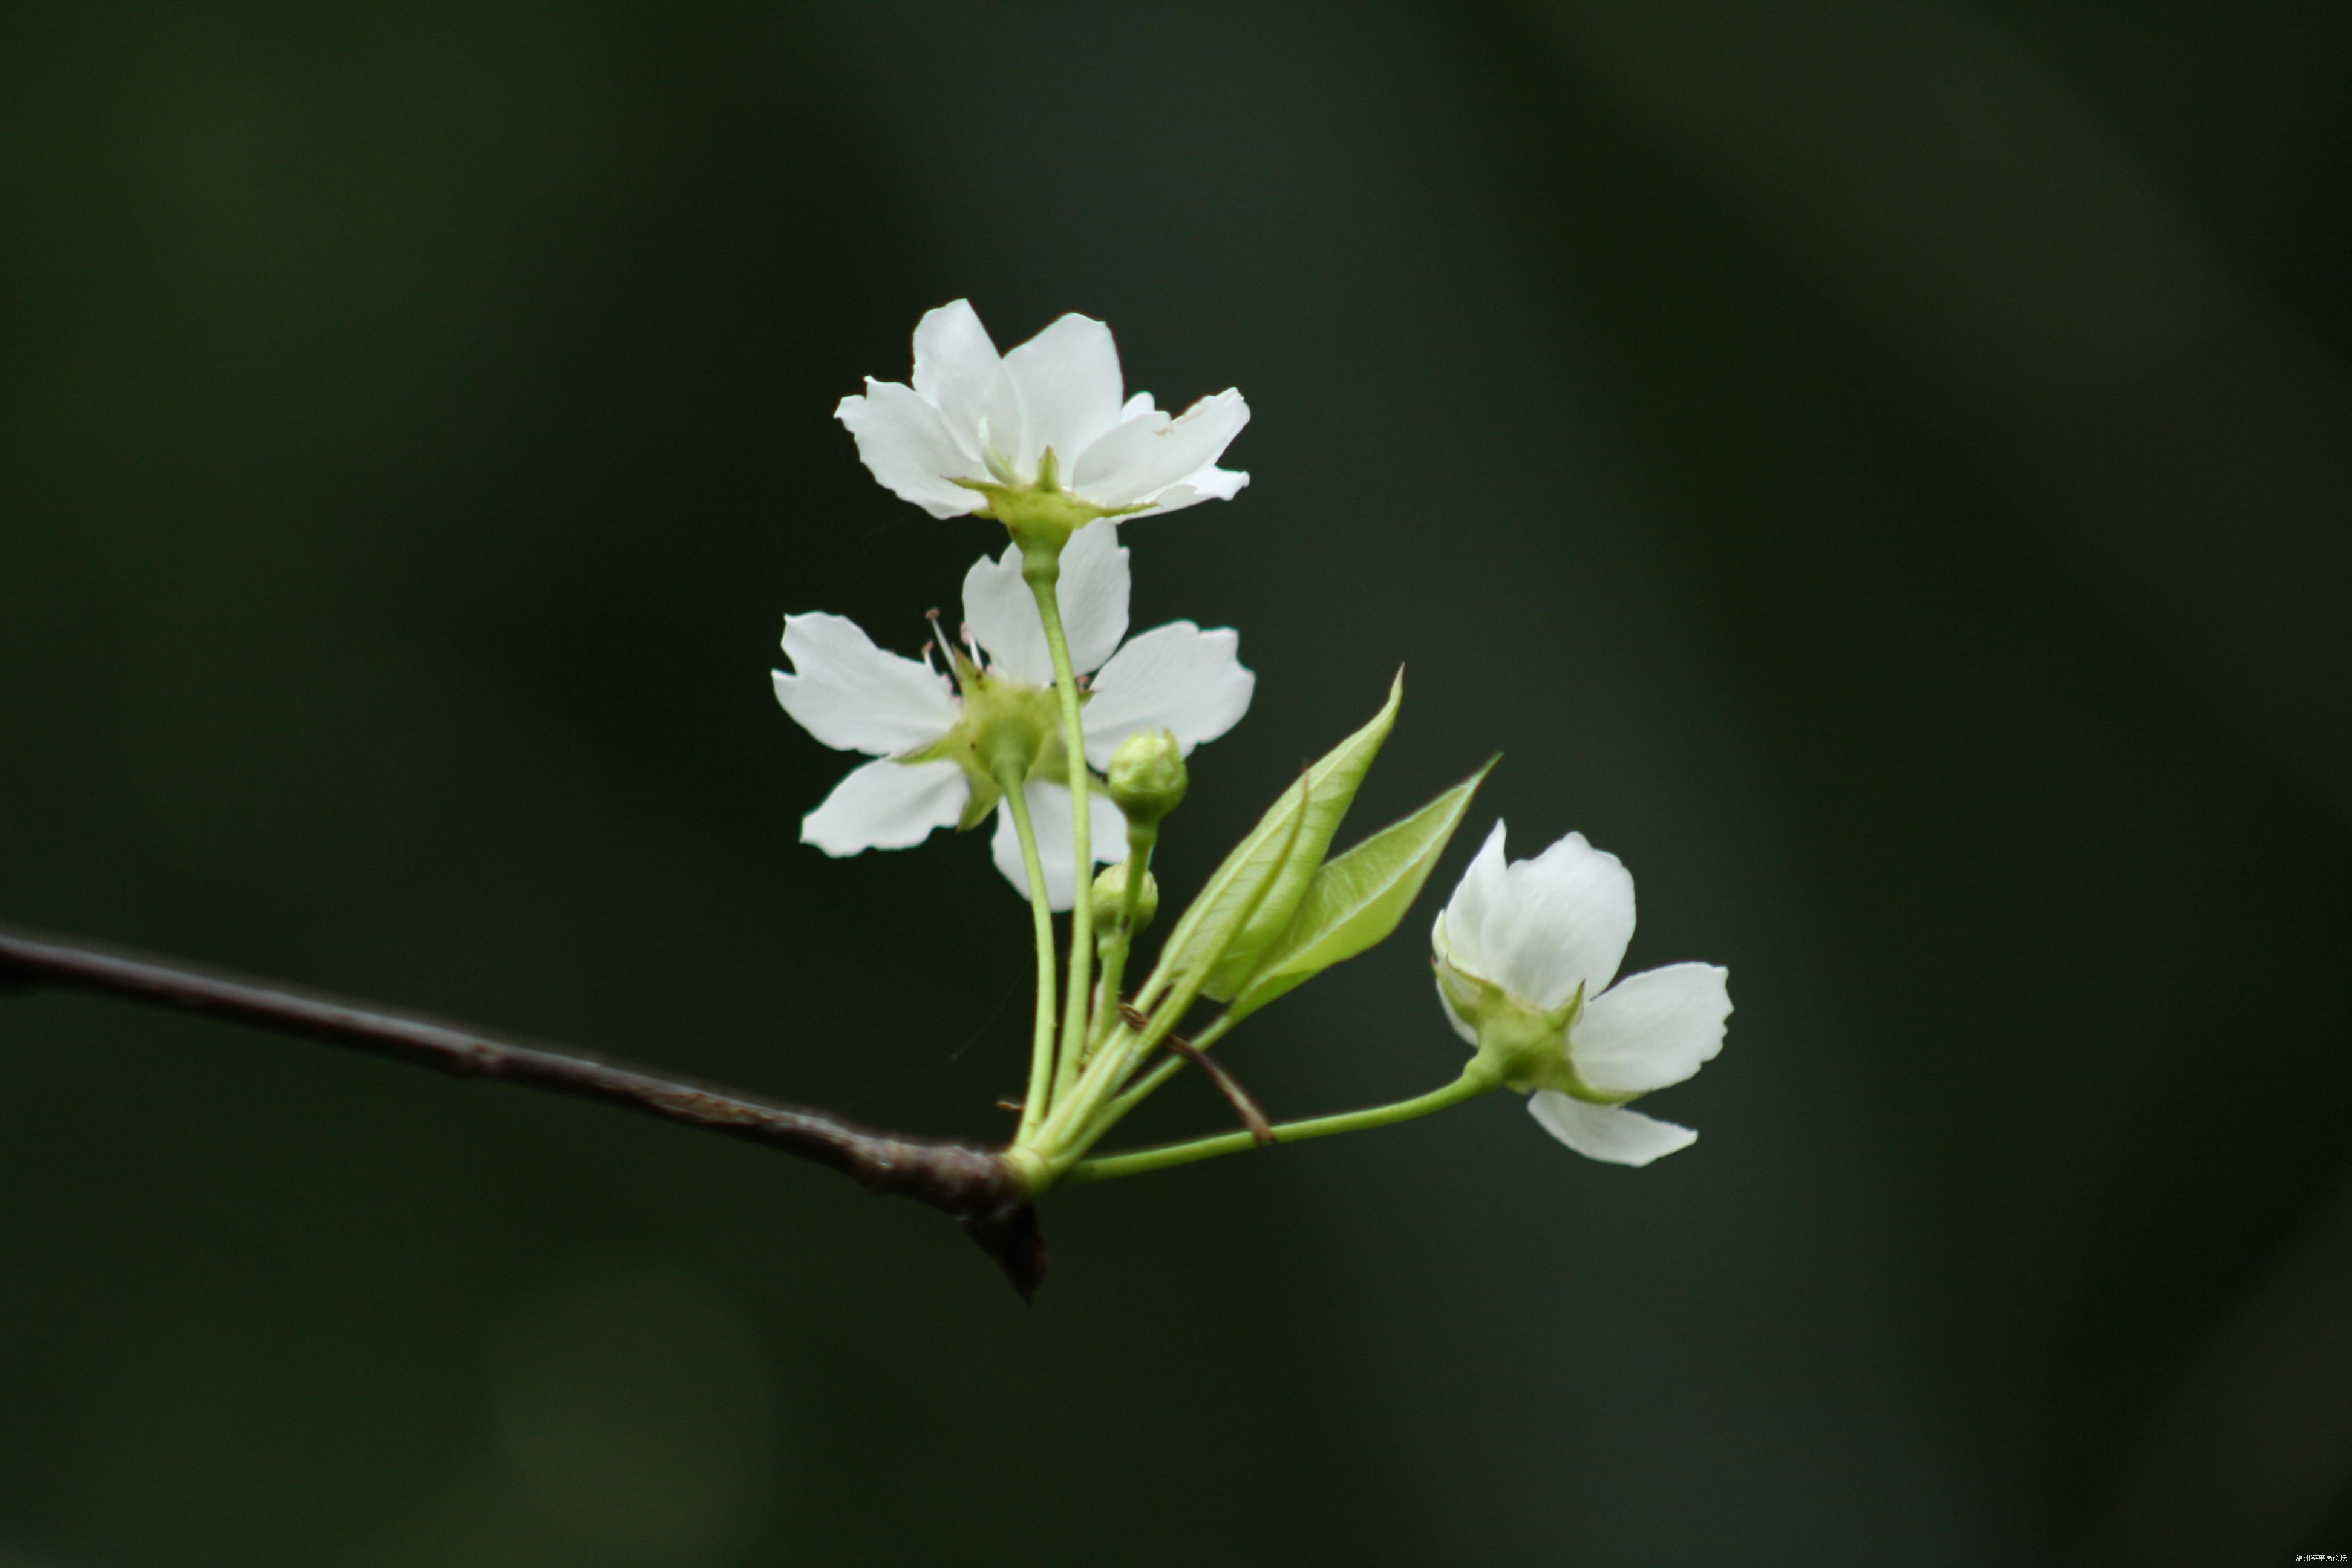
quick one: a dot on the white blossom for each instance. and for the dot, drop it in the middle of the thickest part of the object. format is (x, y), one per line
(982, 418)
(1518, 944)
(924, 732)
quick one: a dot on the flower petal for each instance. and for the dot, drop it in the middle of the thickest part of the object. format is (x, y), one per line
(1175, 677)
(887, 804)
(1461, 1025)
(1608, 1132)
(1000, 614)
(1207, 484)
(1651, 1029)
(957, 369)
(856, 697)
(1069, 379)
(1562, 920)
(1143, 456)
(1093, 591)
(906, 444)
(1050, 813)
(1459, 937)
(1096, 586)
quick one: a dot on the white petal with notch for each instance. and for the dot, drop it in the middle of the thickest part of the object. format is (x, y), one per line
(887, 804)
(856, 697)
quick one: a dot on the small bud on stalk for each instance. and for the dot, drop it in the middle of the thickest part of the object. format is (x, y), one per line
(1147, 778)
(1110, 895)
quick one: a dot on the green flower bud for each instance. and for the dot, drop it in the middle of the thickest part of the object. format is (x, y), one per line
(1110, 897)
(1147, 778)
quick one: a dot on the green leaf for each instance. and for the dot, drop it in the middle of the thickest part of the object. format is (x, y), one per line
(1231, 898)
(1357, 899)
(1251, 897)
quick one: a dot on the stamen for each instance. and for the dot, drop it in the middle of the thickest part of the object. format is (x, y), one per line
(933, 616)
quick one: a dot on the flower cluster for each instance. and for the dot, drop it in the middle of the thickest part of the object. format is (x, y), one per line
(935, 736)
(1042, 711)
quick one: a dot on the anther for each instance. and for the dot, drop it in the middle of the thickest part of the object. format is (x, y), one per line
(945, 647)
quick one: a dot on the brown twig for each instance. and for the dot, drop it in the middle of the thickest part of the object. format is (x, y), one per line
(975, 1186)
(1261, 1130)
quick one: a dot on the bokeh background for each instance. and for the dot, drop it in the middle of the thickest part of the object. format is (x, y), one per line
(1881, 468)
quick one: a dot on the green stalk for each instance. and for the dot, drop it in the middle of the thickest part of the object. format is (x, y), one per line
(1078, 1122)
(1476, 1080)
(1041, 567)
(1117, 944)
(1041, 1049)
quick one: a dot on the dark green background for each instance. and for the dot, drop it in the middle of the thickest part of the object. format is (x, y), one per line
(1882, 468)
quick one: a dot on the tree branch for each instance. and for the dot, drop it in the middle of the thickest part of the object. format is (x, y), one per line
(975, 1186)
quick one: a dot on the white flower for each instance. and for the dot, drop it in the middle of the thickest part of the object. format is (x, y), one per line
(974, 416)
(931, 738)
(1525, 956)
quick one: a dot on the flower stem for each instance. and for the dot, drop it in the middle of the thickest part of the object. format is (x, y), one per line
(1041, 567)
(1117, 943)
(1041, 1048)
(1476, 1080)
(1077, 1121)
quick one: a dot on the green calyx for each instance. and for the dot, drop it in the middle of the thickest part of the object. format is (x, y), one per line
(1110, 901)
(1147, 778)
(1008, 730)
(1039, 514)
(1529, 1047)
